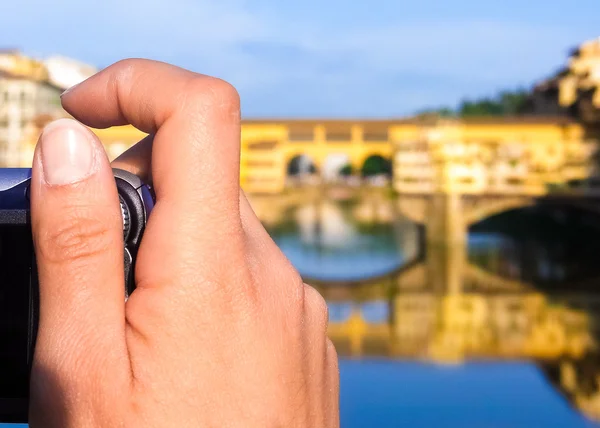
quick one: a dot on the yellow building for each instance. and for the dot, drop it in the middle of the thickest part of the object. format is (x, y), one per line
(521, 155)
(575, 90)
(583, 75)
(25, 93)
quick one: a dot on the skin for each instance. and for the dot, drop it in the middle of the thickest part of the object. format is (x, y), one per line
(221, 331)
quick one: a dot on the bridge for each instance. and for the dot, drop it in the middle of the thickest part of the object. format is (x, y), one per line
(448, 174)
(514, 152)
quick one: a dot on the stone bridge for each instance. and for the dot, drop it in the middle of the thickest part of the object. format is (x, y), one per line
(447, 217)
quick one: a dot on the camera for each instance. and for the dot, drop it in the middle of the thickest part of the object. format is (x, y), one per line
(19, 294)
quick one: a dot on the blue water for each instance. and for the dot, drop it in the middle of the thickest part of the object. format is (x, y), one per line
(373, 256)
(386, 394)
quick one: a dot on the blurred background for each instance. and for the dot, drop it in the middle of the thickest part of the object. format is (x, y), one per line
(431, 167)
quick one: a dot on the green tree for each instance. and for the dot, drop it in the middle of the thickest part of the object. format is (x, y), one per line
(439, 112)
(505, 103)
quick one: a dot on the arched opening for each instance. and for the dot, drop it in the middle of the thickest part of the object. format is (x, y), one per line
(337, 168)
(377, 169)
(546, 246)
(301, 169)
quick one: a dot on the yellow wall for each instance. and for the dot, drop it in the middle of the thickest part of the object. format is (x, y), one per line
(493, 156)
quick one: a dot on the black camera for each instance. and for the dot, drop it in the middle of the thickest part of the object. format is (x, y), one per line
(19, 295)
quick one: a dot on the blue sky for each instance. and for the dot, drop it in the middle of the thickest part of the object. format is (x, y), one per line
(334, 58)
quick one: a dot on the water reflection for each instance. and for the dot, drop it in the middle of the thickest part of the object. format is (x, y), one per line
(350, 238)
(525, 288)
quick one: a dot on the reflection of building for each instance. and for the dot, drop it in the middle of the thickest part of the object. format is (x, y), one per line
(325, 225)
(446, 312)
(579, 381)
(25, 93)
(480, 324)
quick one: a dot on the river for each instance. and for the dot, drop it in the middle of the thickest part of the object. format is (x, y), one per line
(499, 332)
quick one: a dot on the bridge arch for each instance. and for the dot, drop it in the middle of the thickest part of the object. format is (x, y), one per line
(300, 164)
(333, 164)
(376, 164)
(483, 208)
(480, 210)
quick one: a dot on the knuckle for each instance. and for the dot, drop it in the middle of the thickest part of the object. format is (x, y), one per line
(316, 305)
(80, 235)
(214, 94)
(332, 354)
(126, 63)
(295, 292)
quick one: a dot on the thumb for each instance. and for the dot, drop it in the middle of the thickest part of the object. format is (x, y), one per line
(78, 238)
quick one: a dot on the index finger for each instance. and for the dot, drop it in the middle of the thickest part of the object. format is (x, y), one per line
(195, 120)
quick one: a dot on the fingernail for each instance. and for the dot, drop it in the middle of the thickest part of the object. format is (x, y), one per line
(67, 152)
(66, 91)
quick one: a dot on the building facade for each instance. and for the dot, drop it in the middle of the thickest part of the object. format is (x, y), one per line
(575, 90)
(22, 99)
(26, 93)
(525, 156)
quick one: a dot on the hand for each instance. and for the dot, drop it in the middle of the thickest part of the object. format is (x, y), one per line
(220, 331)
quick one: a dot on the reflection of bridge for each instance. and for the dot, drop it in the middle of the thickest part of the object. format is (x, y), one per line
(446, 310)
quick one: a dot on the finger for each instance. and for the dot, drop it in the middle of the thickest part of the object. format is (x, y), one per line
(332, 382)
(137, 159)
(315, 328)
(78, 237)
(195, 120)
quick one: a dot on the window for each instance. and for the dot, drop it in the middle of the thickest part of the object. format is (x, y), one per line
(339, 135)
(259, 164)
(514, 181)
(374, 134)
(263, 145)
(301, 134)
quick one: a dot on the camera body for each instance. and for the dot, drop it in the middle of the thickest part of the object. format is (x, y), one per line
(19, 293)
